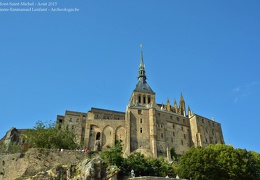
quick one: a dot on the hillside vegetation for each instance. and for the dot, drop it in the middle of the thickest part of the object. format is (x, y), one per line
(214, 162)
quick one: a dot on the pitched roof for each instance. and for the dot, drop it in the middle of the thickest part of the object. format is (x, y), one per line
(142, 86)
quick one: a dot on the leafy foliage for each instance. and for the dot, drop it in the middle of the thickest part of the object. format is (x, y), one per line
(136, 162)
(219, 162)
(142, 166)
(113, 156)
(147, 166)
(45, 135)
(174, 156)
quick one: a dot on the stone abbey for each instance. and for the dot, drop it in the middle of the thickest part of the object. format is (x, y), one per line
(146, 126)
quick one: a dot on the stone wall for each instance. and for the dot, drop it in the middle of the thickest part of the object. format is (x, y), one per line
(205, 131)
(17, 165)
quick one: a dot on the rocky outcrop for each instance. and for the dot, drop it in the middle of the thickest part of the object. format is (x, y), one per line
(42, 164)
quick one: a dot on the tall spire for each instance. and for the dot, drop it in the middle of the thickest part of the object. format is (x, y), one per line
(181, 98)
(142, 85)
(141, 75)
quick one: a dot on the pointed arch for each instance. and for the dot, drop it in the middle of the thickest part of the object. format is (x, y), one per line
(107, 137)
(94, 135)
(121, 136)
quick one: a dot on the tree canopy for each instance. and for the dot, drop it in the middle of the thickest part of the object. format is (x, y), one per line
(141, 165)
(219, 162)
(45, 135)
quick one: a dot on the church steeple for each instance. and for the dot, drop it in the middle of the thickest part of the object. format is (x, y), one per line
(141, 75)
(142, 95)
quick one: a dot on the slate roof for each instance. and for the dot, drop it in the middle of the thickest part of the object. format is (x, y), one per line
(142, 86)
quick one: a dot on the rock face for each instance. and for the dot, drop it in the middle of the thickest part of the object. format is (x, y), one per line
(50, 165)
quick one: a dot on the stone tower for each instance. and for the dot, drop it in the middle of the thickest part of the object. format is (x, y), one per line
(139, 115)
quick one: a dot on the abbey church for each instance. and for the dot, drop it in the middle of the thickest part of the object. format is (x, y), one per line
(146, 126)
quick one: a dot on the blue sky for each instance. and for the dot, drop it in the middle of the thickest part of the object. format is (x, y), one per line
(208, 50)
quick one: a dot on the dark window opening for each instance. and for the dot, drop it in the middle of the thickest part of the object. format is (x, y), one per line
(139, 99)
(161, 135)
(149, 100)
(98, 136)
(144, 100)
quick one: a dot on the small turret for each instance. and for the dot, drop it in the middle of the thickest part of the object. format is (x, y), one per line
(175, 106)
(182, 108)
(190, 113)
(168, 105)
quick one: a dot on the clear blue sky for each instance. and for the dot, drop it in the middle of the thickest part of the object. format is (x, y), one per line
(208, 50)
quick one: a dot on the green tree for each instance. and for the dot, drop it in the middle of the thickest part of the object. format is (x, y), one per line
(218, 162)
(45, 135)
(136, 162)
(254, 164)
(143, 166)
(113, 156)
(174, 156)
(159, 167)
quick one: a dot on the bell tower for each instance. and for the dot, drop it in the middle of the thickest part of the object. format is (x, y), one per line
(142, 95)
